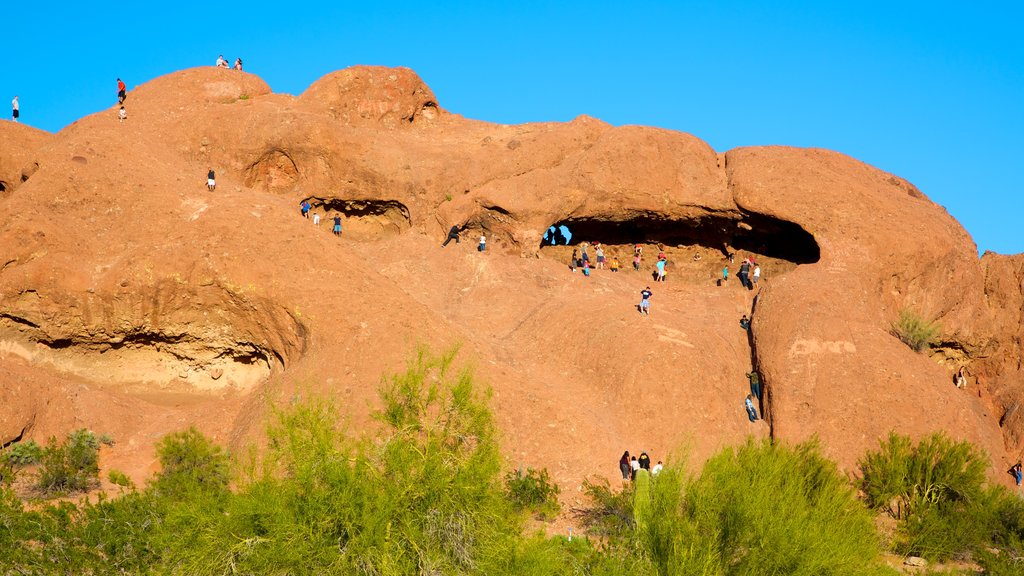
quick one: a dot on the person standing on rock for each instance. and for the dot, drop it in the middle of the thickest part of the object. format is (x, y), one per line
(744, 273)
(483, 243)
(453, 234)
(960, 379)
(211, 180)
(583, 253)
(645, 301)
(572, 260)
(316, 219)
(337, 226)
(661, 270)
(122, 91)
(634, 467)
(15, 113)
(757, 275)
(624, 467)
(304, 208)
(599, 252)
(1016, 472)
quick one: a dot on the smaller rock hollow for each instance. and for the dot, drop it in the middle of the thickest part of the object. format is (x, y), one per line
(363, 219)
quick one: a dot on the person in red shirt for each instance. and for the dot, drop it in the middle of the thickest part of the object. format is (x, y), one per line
(122, 91)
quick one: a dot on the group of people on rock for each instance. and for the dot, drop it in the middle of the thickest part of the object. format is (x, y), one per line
(630, 465)
(222, 63)
(749, 273)
(305, 207)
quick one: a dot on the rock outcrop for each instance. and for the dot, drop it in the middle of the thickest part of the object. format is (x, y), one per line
(126, 284)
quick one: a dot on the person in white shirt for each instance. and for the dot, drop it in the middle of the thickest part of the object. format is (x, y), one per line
(221, 62)
(657, 468)
(122, 115)
(757, 274)
(634, 466)
(316, 219)
(483, 243)
(15, 112)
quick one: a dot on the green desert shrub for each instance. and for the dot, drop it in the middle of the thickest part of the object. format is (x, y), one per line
(914, 330)
(937, 491)
(190, 461)
(533, 490)
(22, 453)
(71, 466)
(754, 509)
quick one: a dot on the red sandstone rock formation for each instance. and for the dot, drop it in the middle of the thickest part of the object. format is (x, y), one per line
(134, 301)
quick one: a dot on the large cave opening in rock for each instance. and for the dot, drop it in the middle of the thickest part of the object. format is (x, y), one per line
(697, 247)
(363, 219)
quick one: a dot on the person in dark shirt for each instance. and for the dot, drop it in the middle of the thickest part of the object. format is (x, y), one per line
(644, 461)
(624, 466)
(337, 225)
(453, 234)
(211, 180)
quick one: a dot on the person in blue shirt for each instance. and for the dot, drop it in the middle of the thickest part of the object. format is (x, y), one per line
(645, 301)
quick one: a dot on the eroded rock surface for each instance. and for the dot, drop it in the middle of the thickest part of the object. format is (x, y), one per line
(124, 280)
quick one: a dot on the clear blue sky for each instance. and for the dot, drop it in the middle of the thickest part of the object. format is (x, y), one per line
(931, 91)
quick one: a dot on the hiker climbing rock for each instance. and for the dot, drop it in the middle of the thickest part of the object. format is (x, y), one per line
(211, 180)
(634, 466)
(960, 379)
(122, 115)
(644, 461)
(645, 301)
(1016, 472)
(483, 243)
(583, 253)
(660, 267)
(337, 226)
(745, 322)
(755, 384)
(304, 207)
(453, 234)
(757, 276)
(751, 411)
(744, 273)
(316, 219)
(122, 91)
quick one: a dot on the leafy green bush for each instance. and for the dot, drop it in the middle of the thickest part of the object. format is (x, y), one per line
(610, 513)
(533, 491)
(936, 489)
(72, 466)
(756, 509)
(190, 461)
(118, 478)
(22, 453)
(914, 330)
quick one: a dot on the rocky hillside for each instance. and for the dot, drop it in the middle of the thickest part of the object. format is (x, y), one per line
(135, 302)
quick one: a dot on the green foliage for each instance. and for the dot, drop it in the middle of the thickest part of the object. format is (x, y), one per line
(610, 513)
(901, 478)
(121, 479)
(756, 509)
(72, 466)
(22, 453)
(189, 461)
(914, 330)
(533, 491)
(936, 489)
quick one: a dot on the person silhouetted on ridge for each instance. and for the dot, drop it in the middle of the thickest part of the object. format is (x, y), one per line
(221, 62)
(122, 91)
(238, 64)
(15, 112)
